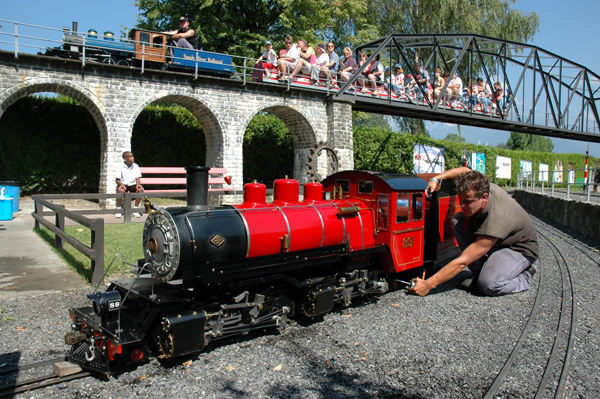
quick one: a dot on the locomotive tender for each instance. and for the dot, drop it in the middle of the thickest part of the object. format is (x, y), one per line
(142, 46)
(214, 272)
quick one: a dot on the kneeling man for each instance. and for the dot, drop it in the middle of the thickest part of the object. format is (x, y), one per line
(496, 236)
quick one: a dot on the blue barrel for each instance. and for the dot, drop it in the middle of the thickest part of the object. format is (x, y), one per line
(6, 208)
(13, 189)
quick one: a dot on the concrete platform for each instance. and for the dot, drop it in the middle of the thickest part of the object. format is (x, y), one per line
(28, 266)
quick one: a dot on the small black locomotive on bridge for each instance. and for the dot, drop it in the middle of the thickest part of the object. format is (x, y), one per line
(215, 272)
(142, 47)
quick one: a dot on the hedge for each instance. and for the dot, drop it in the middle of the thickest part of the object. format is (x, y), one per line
(52, 144)
(396, 155)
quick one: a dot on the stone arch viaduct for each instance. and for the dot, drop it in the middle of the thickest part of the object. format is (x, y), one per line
(116, 95)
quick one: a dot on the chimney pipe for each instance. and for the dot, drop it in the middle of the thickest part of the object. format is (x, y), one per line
(75, 26)
(197, 186)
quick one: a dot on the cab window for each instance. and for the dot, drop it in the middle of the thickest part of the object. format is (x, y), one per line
(383, 208)
(402, 210)
(365, 187)
(345, 184)
(417, 206)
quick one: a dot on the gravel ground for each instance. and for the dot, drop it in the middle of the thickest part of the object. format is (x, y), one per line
(450, 344)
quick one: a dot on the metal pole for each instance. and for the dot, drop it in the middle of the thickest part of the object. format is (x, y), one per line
(143, 56)
(16, 41)
(83, 50)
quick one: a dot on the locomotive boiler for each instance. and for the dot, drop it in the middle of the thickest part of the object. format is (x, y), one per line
(214, 272)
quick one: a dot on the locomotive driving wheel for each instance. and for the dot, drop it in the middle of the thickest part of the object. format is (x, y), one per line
(332, 163)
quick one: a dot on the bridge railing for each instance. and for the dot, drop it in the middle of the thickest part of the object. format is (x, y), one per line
(568, 103)
(561, 183)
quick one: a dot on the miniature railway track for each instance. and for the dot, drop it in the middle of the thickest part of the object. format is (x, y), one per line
(37, 382)
(555, 371)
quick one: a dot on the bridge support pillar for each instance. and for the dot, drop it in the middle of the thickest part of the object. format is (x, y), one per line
(339, 131)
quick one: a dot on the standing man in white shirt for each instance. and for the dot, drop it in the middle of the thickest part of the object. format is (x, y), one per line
(128, 181)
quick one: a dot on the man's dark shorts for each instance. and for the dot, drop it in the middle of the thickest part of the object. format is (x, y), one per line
(129, 189)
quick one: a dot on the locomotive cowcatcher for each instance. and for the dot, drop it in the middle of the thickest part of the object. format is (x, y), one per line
(215, 272)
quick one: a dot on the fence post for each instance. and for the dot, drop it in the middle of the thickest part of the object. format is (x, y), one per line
(60, 224)
(127, 208)
(39, 210)
(98, 247)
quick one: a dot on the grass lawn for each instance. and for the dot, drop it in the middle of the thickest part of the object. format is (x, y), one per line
(120, 238)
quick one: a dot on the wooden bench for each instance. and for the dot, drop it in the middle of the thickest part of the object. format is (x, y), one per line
(216, 177)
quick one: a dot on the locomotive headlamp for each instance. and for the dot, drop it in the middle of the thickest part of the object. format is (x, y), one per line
(106, 302)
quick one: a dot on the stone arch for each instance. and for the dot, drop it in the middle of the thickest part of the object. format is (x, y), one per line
(206, 114)
(76, 92)
(301, 126)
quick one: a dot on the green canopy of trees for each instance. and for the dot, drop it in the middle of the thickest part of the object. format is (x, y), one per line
(240, 27)
(529, 142)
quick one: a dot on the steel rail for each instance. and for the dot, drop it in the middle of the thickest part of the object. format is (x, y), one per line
(40, 382)
(524, 335)
(32, 365)
(565, 273)
(560, 390)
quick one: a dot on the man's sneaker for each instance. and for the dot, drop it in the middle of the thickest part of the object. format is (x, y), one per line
(531, 271)
(119, 214)
(470, 284)
(136, 215)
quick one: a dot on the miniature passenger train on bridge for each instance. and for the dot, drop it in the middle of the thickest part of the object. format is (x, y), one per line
(212, 272)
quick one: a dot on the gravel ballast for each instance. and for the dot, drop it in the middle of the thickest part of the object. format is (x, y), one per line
(450, 344)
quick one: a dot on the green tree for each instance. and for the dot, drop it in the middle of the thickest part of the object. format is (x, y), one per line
(456, 138)
(365, 119)
(529, 142)
(168, 135)
(240, 27)
(493, 18)
(412, 126)
(268, 150)
(50, 145)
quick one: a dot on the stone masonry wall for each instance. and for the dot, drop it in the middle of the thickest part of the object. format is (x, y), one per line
(579, 216)
(115, 96)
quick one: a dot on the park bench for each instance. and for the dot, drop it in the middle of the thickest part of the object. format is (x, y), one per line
(174, 177)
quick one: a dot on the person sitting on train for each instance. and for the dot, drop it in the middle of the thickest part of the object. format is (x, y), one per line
(456, 86)
(321, 67)
(350, 65)
(288, 62)
(438, 85)
(332, 66)
(362, 55)
(470, 93)
(398, 79)
(422, 79)
(270, 57)
(375, 74)
(184, 36)
(307, 60)
(497, 238)
(498, 98)
(484, 95)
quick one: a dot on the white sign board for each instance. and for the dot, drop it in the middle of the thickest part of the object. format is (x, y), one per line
(503, 167)
(543, 175)
(526, 168)
(558, 176)
(428, 159)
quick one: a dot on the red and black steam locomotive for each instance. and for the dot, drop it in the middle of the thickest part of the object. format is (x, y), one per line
(214, 272)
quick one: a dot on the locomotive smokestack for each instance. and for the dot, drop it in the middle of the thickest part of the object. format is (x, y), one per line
(75, 26)
(197, 186)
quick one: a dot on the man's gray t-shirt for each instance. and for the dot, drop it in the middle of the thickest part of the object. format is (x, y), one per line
(505, 219)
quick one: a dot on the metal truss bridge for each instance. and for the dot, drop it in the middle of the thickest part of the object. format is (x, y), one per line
(545, 94)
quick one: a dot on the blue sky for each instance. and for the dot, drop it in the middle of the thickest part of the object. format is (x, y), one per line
(569, 29)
